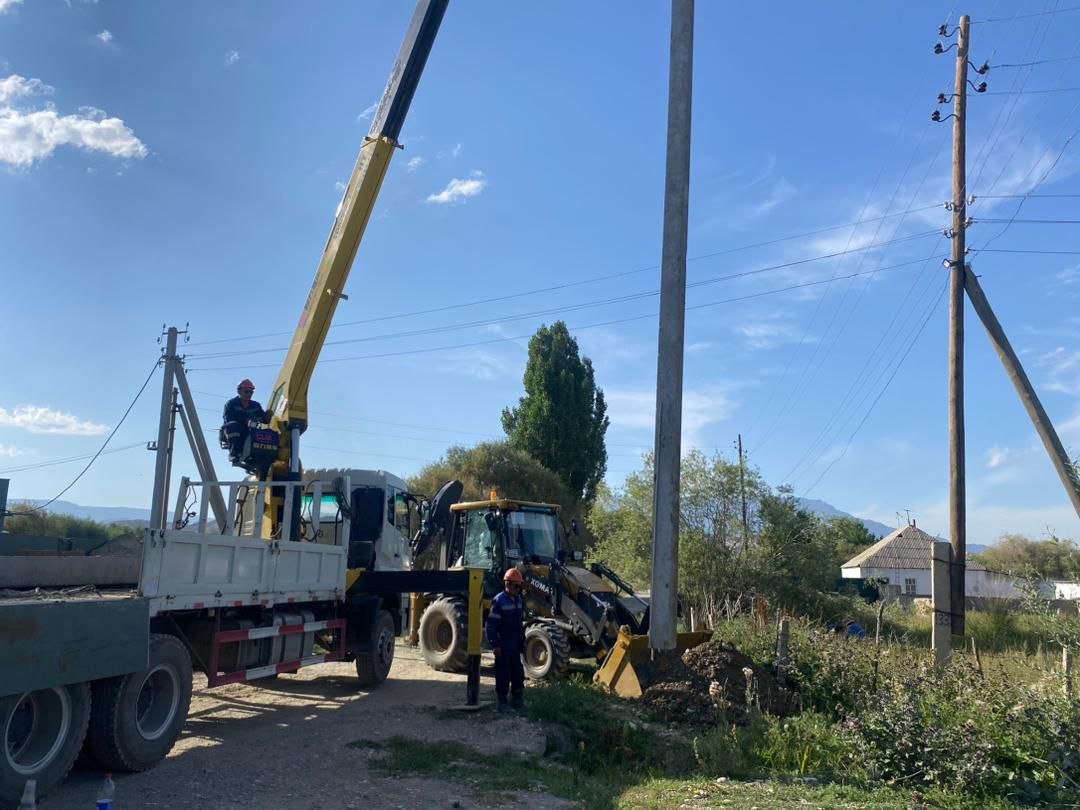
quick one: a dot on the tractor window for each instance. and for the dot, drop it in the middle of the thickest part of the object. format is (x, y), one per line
(480, 549)
(535, 533)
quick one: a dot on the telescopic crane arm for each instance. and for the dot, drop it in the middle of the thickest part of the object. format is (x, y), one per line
(288, 402)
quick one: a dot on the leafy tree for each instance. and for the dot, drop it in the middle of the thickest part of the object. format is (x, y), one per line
(562, 419)
(1051, 559)
(29, 520)
(511, 472)
(849, 536)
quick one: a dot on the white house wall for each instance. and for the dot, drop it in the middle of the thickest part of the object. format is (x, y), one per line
(977, 583)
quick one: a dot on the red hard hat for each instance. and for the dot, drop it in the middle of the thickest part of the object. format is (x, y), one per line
(245, 383)
(513, 575)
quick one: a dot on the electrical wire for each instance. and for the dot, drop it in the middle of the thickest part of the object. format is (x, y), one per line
(1033, 64)
(108, 438)
(567, 285)
(1029, 221)
(630, 319)
(1025, 16)
(1039, 252)
(1039, 91)
(70, 460)
(433, 330)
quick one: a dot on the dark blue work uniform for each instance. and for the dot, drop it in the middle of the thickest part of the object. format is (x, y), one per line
(506, 630)
(235, 428)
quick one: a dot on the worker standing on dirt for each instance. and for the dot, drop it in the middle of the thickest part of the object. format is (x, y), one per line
(506, 634)
(240, 410)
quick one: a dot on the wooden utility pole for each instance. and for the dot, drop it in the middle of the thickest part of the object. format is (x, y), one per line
(742, 491)
(669, 367)
(1028, 397)
(957, 498)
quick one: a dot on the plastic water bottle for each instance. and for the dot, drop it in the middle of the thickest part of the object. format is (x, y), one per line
(105, 795)
(29, 795)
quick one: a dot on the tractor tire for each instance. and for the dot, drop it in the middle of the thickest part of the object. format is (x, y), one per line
(42, 734)
(373, 667)
(136, 718)
(546, 653)
(444, 635)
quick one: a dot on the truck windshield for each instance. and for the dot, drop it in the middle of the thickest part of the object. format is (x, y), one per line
(535, 533)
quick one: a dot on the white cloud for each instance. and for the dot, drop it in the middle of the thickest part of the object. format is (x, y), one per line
(368, 112)
(340, 186)
(7, 5)
(9, 451)
(231, 58)
(996, 456)
(15, 87)
(780, 193)
(26, 137)
(457, 190)
(452, 152)
(636, 408)
(768, 333)
(39, 419)
(105, 36)
(1063, 369)
(414, 163)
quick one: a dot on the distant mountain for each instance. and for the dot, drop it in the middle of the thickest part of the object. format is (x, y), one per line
(827, 510)
(102, 514)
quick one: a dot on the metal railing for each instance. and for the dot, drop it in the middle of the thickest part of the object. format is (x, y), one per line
(244, 515)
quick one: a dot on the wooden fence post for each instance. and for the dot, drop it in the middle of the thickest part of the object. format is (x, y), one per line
(782, 641)
(1066, 670)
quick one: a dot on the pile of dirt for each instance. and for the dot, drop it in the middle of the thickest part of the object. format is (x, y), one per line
(710, 683)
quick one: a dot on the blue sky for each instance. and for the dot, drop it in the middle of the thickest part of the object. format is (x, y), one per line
(182, 163)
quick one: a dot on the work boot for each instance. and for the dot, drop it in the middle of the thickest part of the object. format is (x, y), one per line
(503, 707)
(517, 703)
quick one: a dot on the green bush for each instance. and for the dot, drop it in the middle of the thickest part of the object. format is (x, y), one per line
(809, 743)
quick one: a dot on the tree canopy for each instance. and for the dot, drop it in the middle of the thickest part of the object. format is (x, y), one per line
(562, 419)
(1050, 559)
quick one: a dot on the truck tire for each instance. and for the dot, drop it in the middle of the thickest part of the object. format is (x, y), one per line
(373, 667)
(137, 717)
(546, 653)
(444, 635)
(42, 734)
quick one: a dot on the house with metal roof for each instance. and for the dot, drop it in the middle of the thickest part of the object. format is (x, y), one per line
(902, 561)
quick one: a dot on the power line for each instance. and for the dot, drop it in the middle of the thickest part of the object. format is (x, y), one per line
(613, 322)
(621, 299)
(1038, 91)
(1028, 196)
(69, 460)
(1041, 252)
(567, 285)
(1025, 16)
(1032, 64)
(104, 444)
(1028, 221)
(881, 393)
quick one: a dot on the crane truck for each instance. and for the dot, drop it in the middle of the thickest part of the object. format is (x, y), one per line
(283, 569)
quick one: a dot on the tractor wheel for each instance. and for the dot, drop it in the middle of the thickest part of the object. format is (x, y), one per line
(444, 635)
(547, 652)
(373, 667)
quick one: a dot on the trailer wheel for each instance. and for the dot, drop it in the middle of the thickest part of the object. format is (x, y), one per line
(373, 667)
(42, 732)
(444, 635)
(547, 652)
(137, 717)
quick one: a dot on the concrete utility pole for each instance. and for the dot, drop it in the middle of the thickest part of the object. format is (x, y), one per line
(957, 475)
(669, 367)
(158, 507)
(3, 501)
(1023, 386)
(940, 585)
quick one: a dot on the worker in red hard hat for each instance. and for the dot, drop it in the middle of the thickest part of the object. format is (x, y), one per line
(240, 411)
(506, 634)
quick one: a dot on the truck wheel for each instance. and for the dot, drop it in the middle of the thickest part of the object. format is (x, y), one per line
(137, 717)
(43, 732)
(547, 652)
(444, 635)
(373, 667)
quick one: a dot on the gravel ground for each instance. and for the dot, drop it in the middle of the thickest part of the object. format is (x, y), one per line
(285, 745)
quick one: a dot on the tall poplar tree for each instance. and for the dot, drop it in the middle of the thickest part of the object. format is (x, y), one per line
(562, 419)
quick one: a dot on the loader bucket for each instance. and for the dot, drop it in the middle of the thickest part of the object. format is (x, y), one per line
(628, 668)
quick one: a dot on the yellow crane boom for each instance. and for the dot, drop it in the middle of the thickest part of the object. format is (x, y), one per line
(288, 402)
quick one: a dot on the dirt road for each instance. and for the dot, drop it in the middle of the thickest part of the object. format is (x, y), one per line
(285, 745)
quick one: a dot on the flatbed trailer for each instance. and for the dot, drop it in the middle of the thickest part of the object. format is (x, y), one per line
(111, 670)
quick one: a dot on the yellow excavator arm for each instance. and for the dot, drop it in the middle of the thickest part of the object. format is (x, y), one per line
(288, 402)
